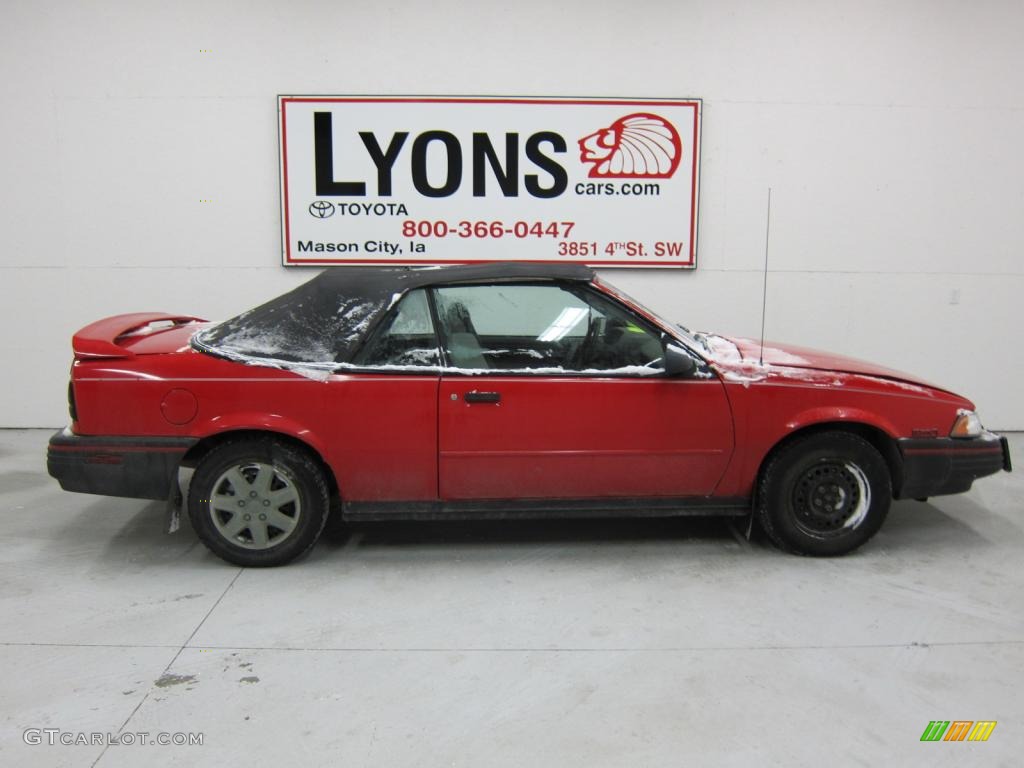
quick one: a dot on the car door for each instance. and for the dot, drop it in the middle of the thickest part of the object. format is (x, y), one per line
(383, 413)
(555, 391)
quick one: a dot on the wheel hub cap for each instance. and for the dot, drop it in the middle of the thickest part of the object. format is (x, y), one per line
(270, 490)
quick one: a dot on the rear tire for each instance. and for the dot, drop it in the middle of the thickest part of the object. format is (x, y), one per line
(824, 494)
(258, 503)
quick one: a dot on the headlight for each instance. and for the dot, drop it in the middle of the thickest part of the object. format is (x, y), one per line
(967, 424)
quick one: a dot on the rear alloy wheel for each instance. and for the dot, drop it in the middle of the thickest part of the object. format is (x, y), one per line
(258, 502)
(824, 494)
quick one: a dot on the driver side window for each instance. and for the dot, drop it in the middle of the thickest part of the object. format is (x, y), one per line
(523, 327)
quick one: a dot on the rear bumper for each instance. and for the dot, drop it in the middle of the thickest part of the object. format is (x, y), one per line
(935, 467)
(136, 467)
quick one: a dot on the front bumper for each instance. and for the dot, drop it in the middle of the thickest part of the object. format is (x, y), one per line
(934, 467)
(136, 467)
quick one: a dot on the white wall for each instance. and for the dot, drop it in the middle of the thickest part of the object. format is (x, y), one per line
(890, 132)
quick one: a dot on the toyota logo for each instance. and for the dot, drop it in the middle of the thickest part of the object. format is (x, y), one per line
(321, 209)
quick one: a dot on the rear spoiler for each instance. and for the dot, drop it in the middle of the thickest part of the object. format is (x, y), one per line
(99, 339)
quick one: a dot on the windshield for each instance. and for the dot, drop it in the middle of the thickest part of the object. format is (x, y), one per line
(695, 340)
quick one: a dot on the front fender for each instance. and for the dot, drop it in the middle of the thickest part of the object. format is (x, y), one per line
(760, 435)
(840, 413)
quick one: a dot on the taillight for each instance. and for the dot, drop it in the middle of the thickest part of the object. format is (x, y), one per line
(71, 401)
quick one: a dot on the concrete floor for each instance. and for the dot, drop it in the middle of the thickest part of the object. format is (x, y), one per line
(601, 643)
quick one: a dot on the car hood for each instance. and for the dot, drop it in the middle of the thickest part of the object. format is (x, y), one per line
(737, 351)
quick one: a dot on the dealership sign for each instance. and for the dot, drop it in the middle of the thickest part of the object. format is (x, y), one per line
(442, 180)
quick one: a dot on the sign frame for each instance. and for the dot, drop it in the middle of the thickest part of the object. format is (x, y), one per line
(693, 139)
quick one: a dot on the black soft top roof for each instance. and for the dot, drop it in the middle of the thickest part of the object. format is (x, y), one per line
(324, 320)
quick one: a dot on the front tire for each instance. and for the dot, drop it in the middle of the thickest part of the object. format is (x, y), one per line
(824, 494)
(258, 502)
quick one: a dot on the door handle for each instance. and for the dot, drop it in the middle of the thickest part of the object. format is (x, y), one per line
(482, 397)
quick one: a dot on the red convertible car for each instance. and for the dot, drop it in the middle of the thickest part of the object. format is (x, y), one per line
(496, 390)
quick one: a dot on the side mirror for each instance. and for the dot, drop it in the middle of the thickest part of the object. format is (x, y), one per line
(677, 362)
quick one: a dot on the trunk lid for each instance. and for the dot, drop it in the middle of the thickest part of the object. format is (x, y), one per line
(139, 333)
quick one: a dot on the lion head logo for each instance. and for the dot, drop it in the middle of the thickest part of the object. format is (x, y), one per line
(641, 145)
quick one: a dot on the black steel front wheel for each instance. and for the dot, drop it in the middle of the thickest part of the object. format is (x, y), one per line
(824, 494)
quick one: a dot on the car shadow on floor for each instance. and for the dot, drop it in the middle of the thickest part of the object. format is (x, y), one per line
(947, 523)
(912, 527)
(19, 481)
(399, 533)
(141, 533)
(123, 530)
